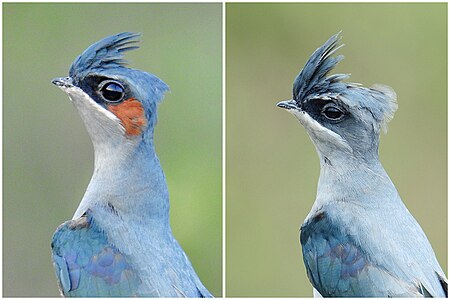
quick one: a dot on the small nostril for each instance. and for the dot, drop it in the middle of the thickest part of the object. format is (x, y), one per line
(62, 81)
(57, 81)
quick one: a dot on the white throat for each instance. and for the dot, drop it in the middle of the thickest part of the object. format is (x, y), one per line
(325, 140)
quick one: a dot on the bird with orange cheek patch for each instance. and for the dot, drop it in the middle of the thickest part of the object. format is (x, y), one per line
(119, 242)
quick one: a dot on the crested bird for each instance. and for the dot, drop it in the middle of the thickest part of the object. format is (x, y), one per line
(359, 239)
(119, 241)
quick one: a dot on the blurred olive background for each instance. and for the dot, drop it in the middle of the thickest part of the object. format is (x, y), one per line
(271, 165)
(48, 156)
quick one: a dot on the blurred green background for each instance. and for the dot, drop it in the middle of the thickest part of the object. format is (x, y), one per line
(271, 164)
(48, 157)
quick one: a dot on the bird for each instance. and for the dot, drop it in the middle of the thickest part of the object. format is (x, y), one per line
(359, 239)
(119, 241)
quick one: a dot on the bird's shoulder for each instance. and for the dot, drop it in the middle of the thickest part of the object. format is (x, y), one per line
(86, 264)
(338, 263)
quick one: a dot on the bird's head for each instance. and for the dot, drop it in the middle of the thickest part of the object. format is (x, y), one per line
(341, 118)
(117, 104)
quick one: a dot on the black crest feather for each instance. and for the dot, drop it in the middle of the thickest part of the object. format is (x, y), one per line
(312, 78)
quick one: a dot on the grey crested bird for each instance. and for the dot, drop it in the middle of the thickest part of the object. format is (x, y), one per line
(359, 239)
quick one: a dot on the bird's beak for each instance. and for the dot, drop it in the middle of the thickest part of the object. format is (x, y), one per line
(288, 104)
(63, 82)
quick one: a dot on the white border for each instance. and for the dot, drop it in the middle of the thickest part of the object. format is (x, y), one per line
(224, 288)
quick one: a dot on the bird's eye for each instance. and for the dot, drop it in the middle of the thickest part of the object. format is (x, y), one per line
(112, 91)
(333, 113)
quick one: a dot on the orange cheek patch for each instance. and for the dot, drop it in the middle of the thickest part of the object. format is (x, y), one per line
(131, 114)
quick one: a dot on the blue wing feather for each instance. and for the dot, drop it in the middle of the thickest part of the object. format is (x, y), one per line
(337, 266)
(87, 265)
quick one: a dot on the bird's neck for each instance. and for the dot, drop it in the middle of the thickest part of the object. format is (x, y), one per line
(130, 182)
(353, 180)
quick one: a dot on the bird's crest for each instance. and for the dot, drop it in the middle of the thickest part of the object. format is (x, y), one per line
(106, 53)
(313, 82)
(312, 78)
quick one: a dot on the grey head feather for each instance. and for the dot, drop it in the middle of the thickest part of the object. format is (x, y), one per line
(105, 54)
